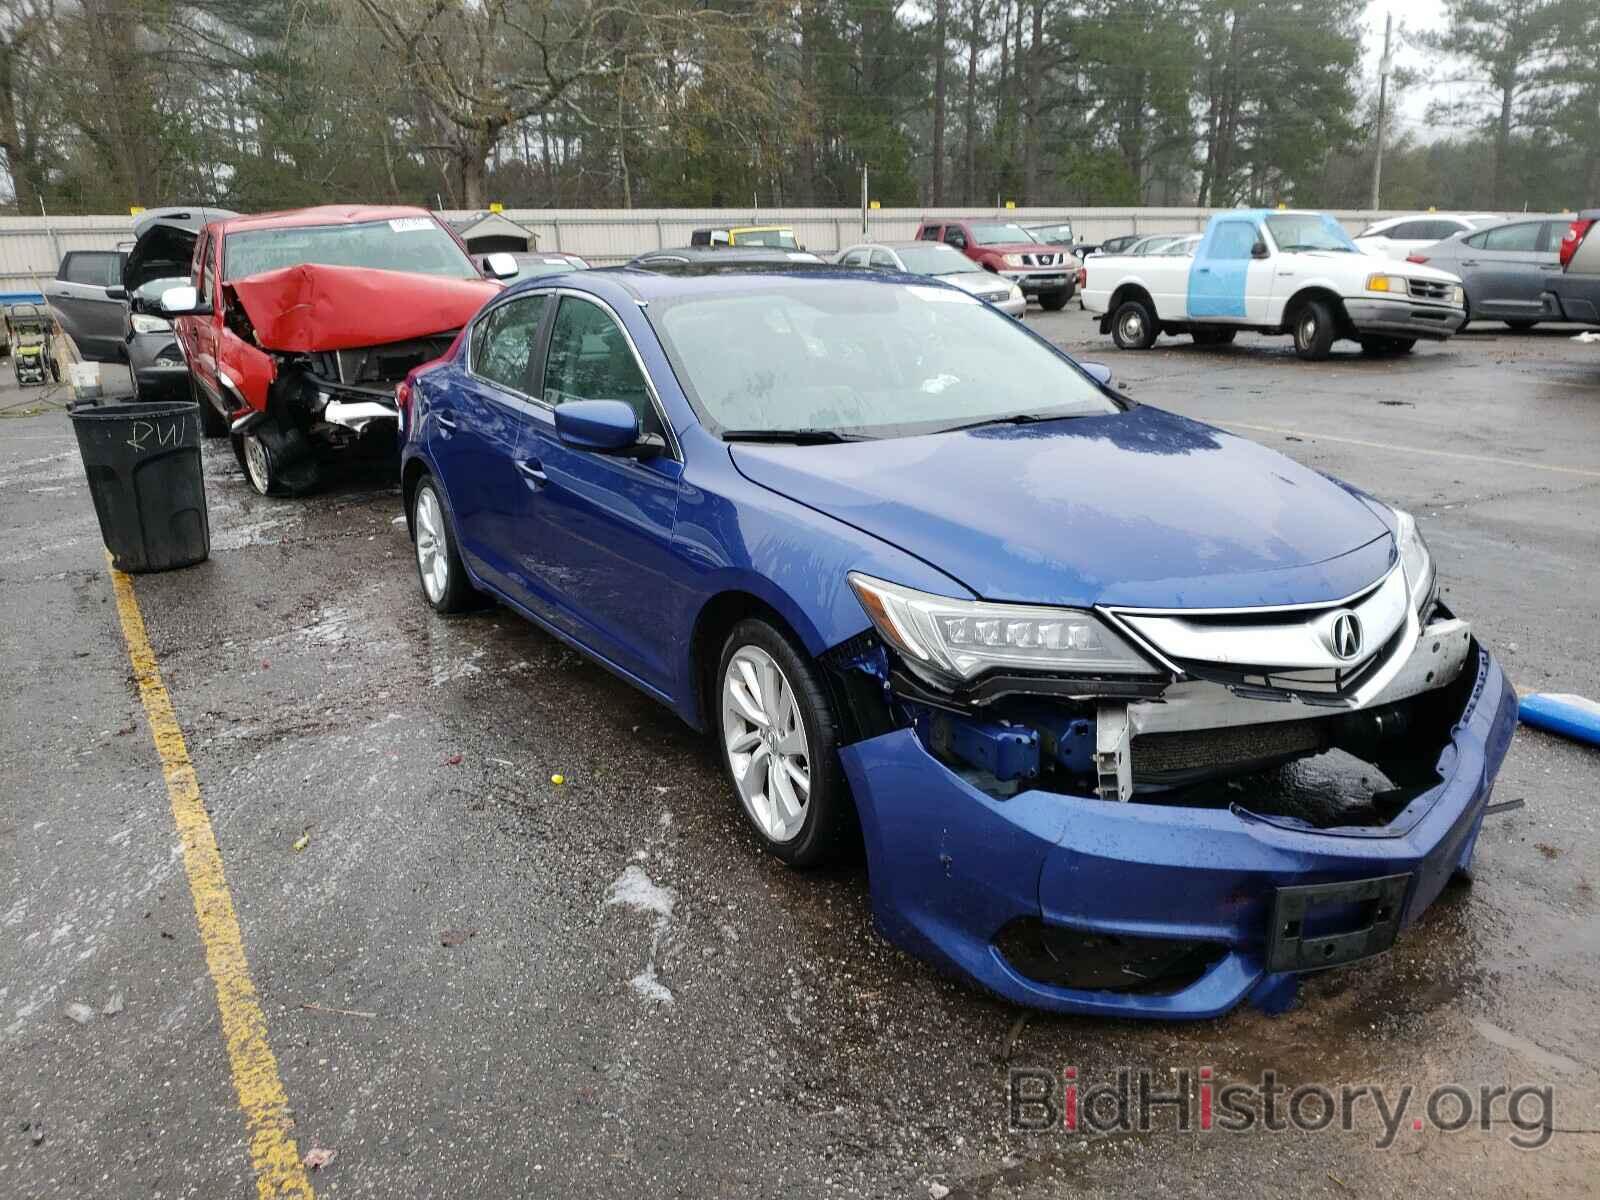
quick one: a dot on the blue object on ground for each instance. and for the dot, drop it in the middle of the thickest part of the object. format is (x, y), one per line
(1574, 716)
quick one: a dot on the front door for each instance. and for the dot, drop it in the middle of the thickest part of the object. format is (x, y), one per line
(1506, 267)
(599, 545)
(1219, 276)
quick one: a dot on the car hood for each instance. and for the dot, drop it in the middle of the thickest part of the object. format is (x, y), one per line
(1022, 248)
(1142, 508)
(163, 245)
(311, 307)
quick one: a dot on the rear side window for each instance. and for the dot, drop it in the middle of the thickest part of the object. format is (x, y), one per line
(1523, 236)
(503, 344)
(208, 269)
(930, 233)
(1477, 240)
(856, 258)
(590, 359)
(97, 268)
(882, 258)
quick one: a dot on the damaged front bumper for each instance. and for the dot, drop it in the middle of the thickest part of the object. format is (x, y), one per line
(1164, 909)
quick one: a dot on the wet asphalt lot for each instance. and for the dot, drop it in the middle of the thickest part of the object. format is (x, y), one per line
(800, 1055)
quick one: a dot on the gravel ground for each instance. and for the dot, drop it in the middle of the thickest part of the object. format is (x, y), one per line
(798, 1053)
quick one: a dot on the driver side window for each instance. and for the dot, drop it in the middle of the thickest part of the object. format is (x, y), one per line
(1233, 240)
(955, 237)
(590, 359)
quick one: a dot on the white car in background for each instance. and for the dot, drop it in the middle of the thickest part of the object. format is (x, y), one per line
(944, 262)
(1396, 237)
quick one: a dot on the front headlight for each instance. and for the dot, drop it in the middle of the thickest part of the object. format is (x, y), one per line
(1012, 260)
(1415, 560)
(148, 324)
(1388, 283)
(958, 640)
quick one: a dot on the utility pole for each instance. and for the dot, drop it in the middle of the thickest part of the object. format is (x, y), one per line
(863, 199)
(1383, 97)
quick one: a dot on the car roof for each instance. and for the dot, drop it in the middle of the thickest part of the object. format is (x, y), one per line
(641, 285)
(324, 214)
(720, 254)
(908, 244)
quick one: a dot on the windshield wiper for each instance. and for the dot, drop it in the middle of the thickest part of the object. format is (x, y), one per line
(1013, 419)
(799, 437)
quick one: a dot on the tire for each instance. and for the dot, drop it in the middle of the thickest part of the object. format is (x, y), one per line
(440, 573)
(802, 812)
(1214, 337)
(1133, 326)
(277, 461)
(1522, 325)
(1054, 301)
(212, 423)
(1313, 329)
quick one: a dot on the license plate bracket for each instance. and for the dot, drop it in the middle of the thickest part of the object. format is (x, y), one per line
(1380, 903)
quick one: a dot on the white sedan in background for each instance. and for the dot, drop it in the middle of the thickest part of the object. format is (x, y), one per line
(1397, 237)
(943, 262)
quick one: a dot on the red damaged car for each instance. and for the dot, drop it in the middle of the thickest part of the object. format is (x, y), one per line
(298, 326)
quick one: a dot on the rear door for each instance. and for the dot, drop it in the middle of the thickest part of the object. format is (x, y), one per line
(599, 544)
(77, 294)
(1507, 273)
(473, 430)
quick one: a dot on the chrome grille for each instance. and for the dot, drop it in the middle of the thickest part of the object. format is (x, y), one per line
(1040, 260)
(1429, 289)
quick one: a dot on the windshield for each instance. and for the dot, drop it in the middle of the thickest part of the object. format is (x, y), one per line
(417, 244)
(1056, 235)
(530, 265)
(934, 258)
(1309, 231)
(999, 234)
(782, 239)
(865, 359)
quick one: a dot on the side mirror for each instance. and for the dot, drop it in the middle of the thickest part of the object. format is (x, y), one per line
(1099, 372)
(183, 302)
(116, 293)
(501, 266)
(1259, 250)
(605, 427)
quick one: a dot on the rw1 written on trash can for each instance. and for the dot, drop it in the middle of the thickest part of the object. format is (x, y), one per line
(143, 464)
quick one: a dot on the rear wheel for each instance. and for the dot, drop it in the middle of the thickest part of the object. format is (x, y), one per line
(1313, 330)
(780, 744)
(1054, 301)
(444, 580)
(1133, 326)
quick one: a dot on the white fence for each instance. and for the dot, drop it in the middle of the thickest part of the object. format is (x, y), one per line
(30, 247)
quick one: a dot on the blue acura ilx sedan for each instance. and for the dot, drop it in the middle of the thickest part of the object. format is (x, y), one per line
(1132, 715)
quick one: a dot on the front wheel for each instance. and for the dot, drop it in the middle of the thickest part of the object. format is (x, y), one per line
(1313, 330)
(780, 745)
(1133, 326)
(1054, 301)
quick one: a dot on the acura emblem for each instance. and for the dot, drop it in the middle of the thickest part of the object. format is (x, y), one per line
(1344, 635)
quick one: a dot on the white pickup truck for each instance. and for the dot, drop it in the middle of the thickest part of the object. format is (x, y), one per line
(1274, 271)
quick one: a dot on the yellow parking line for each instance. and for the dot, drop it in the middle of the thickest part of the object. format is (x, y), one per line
(1349, 441)
(273, 1154)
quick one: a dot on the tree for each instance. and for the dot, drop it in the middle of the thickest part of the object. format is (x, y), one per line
(1508, 49)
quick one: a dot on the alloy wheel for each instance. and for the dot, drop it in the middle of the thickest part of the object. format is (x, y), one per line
(433, 562)
(764, 736)
(257, 463)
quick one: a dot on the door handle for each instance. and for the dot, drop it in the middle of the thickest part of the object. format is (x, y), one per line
(1469, 262)
(444, 421)
(532, 469)
(1202, 270)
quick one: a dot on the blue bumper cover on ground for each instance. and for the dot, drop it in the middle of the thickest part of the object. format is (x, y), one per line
(950, 866)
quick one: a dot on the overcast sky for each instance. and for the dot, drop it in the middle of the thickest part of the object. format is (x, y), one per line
(1410, 109)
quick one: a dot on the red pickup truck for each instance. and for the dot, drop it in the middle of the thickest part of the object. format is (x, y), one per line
(298, 326)
(1047, 273)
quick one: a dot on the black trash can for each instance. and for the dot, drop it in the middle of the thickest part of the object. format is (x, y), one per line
(143, 464)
